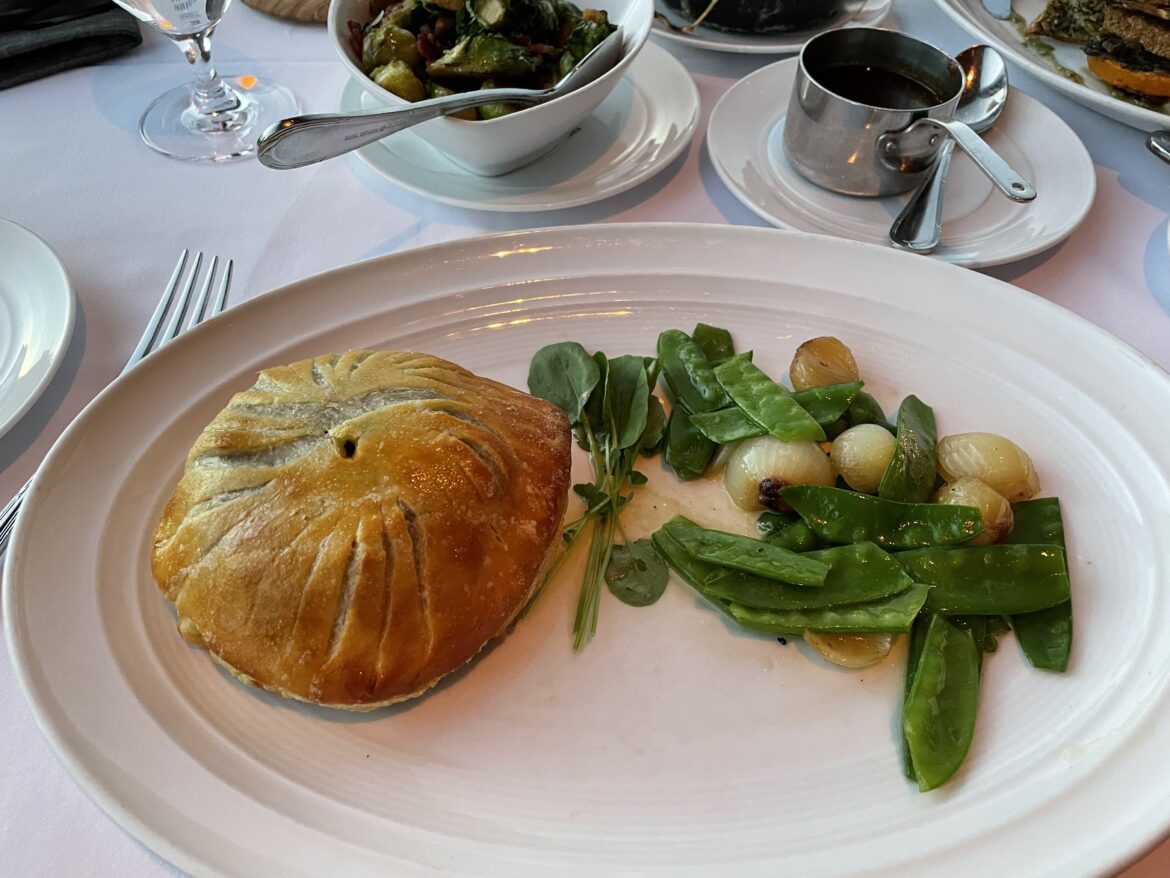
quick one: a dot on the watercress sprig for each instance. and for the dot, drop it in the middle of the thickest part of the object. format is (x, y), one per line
(615, 418)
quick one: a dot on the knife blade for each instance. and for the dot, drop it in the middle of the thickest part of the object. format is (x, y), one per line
(999, 8)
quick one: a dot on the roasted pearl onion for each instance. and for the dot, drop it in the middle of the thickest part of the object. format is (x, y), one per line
(861, 455)
(760, 467)
(996, 511)
(822, 361)
(992, 459)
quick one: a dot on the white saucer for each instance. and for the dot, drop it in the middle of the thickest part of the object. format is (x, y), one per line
(640, 128)
(36, 319)
(980, 226)
(855, 13)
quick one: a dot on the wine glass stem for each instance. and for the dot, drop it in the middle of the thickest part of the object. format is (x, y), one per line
(211, 95)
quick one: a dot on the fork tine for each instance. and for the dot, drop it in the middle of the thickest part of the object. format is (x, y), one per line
(10, 509)
(159, 312)
(221, 294)
(176, 320)
(201, 300)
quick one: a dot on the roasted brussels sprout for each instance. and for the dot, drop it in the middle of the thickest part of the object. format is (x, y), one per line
(398, 78)
(536, 19)
(438, 90)
(494, 111)
(481, 56)
(386, 43)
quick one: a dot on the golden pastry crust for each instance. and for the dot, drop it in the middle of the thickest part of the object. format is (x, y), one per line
(354, 527)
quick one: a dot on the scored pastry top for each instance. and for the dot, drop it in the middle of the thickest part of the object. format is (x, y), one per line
(356, 526)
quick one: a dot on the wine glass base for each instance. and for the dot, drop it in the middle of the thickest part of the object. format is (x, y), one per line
(171, 126)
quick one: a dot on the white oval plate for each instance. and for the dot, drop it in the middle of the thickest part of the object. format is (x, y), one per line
(855, 13)
(980, 226)
(671, 745)
(1093, 93)
(36, 319)
(640, 128)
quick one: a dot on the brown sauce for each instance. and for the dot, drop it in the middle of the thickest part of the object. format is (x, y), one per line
(877, 87)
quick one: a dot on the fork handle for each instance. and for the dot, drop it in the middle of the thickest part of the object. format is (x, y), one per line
(305, 140)
(8, 515)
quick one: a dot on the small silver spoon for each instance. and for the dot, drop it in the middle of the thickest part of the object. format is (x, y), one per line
(305, 140)
(1159, 144)
(985, 91)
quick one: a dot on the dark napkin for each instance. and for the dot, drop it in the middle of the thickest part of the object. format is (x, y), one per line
(41, 38)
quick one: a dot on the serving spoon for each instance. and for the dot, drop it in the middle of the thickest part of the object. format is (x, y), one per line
(985, 91)
(305, 140)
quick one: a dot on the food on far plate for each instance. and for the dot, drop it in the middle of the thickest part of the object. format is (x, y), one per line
(1126, 42)
(418, 49)
(354, 527)
(755, 16)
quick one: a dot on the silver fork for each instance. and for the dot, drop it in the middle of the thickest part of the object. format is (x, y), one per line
(153, 339)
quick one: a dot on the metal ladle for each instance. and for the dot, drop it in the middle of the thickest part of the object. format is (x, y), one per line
(985, 91)
(305, 140)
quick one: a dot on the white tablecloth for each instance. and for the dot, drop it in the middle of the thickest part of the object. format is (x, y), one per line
(73, 170)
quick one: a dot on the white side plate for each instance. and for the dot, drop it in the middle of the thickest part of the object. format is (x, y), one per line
(640, 128)
(745, 137)
(671, 745)
(36, 319)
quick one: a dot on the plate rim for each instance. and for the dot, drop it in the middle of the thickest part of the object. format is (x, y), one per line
(613, 234)
(1034, 246)
(964, 14)
(372, 155)
(66, 304)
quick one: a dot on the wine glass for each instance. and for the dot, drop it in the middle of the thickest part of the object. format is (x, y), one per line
(213, 119)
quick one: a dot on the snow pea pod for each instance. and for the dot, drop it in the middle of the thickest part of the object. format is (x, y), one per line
(747, 554)
(766, 402)
(829, 403)
(892, 615)
(688, 374)
(990, 580)
(826, 405)
(985, 629)
(714, 342)
(857, 574)
(913, 656)
(840, 516)
(1045, 636)
(789, 531)
(864, 409)
(938, 716)
(911, 473)
(689, 570)
(727, 425)
(687, 451)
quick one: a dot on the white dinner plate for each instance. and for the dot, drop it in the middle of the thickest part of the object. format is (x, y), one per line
(36, 319)
(1007, 36)
(635, 132)
(981, 227)
(671, 745)
(854, 13)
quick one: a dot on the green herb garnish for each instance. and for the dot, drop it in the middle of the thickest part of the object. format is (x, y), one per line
(615, 418)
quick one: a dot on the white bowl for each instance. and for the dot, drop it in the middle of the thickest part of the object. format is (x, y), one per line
(497, 146)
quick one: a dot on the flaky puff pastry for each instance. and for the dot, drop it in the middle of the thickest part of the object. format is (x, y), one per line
(354, 527)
